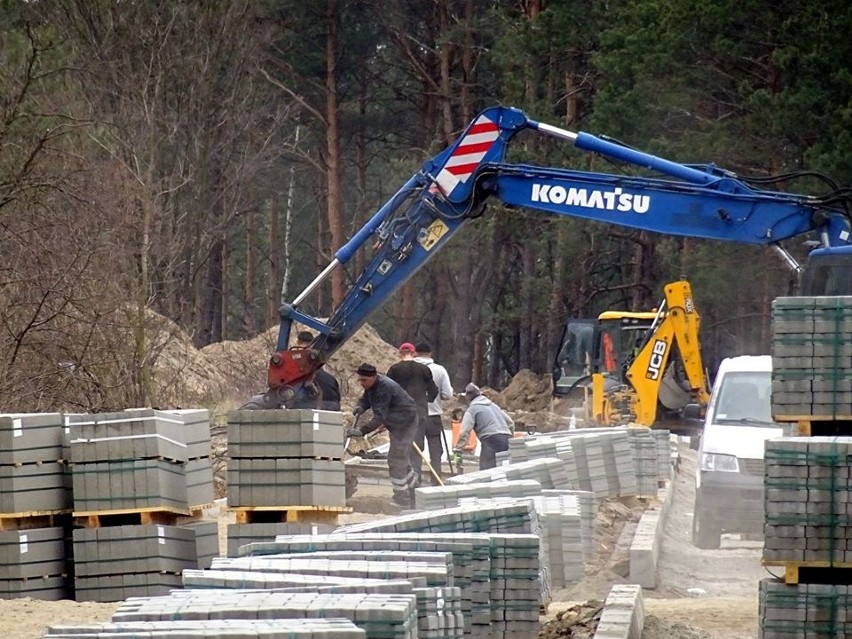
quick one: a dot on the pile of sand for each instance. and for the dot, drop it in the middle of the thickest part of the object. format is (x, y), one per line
(228, 373)
(224, 375)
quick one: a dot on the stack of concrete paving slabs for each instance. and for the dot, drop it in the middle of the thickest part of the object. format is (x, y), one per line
(285, 458)
(427, 597)
(32, 564)
(206, 540)
(812, 356)
(487, 518)
(379, 615)
(549, 472)
(619, 462)
(516, 588)
(803, 610)
(216, 629)
(591, 467)
(518, 451)
(561, 536)
(471, 562)
(439, 609)
(33, 472)
(338, 552)
(438, 497)
(294, 582)
(646, 460)
(436, 573)
(664, 453)
(508, 518)
(240, 535)
(538, 446)
(439, 613)
(132, 460)
(614, 468)
(588, 509)
(115, 562)
(807, 509)
(195, 428)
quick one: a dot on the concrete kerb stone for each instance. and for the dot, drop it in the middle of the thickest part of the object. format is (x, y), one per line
(645, 549)
(623, 616)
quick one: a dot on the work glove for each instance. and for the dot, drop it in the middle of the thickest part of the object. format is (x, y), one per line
(457, 458)
(354, 432)
(357, 412)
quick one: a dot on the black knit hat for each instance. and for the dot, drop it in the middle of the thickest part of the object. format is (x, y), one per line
(423, 347)
(367, 370)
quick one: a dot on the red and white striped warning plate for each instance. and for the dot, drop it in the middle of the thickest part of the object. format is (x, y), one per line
(468, 154)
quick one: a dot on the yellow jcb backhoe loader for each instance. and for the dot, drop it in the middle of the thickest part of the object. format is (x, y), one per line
(643, 368)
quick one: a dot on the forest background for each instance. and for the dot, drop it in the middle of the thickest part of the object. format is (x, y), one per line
(168, 166)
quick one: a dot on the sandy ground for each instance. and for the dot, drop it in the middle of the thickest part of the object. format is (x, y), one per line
(716, 590)
(702, 594)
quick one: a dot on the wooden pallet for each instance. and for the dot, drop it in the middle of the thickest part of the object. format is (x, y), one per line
(810, 572)
(130, 517)
(813, 425)
(34, 519)
(289, 514)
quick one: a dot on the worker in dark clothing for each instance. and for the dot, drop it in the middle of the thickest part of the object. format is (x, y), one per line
(393, 408)
(417, 380)
(325, 393)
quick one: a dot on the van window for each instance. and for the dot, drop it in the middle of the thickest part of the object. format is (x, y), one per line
(744, 395)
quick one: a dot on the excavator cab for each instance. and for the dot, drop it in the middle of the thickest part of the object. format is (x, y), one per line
(604, 345)
(622, 336)
(828, 271)
(575, 356)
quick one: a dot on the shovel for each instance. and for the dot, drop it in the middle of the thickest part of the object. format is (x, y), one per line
(428, 463)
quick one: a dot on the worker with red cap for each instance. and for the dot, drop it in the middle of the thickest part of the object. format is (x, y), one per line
(417, 380)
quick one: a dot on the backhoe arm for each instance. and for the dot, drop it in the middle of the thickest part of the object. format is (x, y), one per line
(679, 327)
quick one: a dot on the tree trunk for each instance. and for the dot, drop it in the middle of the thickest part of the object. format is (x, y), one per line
(273, 280)
(249, 326)
(333, 173)
(556, 308)
(221, 327)
(525, 325)
(285, 250)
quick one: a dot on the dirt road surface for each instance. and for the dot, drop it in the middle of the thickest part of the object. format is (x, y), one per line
(715, 590)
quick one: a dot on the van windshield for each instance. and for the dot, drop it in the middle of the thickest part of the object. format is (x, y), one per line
(744, 398)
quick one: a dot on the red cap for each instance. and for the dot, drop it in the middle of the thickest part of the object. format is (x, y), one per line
(406, 347)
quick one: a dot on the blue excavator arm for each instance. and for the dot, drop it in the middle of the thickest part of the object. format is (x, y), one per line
(453, 187)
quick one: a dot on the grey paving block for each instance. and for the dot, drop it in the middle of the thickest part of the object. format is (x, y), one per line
(31, 437)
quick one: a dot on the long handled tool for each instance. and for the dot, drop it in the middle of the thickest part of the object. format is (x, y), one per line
(428, 463)
(447, 450)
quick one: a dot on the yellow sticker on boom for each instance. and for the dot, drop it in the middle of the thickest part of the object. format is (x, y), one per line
(434, 232)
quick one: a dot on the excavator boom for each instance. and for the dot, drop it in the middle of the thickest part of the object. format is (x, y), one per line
(450, 189)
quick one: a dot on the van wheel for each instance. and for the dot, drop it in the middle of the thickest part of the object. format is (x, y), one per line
(704, 535)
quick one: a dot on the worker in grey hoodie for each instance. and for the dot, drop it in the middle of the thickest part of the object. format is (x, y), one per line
(491, 424)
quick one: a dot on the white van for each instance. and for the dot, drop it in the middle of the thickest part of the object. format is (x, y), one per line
(729, 478)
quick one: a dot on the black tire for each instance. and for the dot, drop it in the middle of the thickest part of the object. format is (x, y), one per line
(704, 534)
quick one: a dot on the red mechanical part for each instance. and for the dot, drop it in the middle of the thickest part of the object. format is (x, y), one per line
(288, 367)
